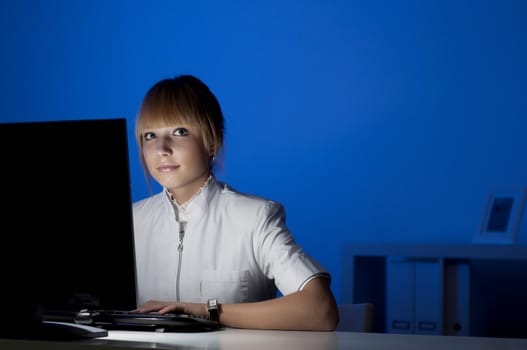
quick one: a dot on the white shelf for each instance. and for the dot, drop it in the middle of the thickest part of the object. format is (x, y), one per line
(475, 276)
(447, 251)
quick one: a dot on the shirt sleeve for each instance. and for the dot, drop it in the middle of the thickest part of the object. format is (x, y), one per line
(280, 257)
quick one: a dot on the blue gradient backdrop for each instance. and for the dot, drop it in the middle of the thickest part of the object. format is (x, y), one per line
(371, 121)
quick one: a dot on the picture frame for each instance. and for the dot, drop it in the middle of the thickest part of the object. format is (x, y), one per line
(502, 216)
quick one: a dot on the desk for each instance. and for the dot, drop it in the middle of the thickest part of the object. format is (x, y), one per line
(271, 340)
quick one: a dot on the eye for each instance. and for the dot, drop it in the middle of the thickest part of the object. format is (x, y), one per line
(181, 132)
(149, 136)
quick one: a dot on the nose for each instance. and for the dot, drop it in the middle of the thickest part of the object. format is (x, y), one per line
(164, 146)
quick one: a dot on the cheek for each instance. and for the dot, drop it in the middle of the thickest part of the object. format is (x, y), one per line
(197, 156)
(148, 155)
(193, 155)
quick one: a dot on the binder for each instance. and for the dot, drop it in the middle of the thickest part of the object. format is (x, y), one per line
(414, 295)
(457, 298)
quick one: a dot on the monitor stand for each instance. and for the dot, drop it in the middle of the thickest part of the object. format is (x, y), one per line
(51, 330)
(66, 330)
(30, 323)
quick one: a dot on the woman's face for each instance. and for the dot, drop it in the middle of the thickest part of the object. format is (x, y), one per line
(176, 158)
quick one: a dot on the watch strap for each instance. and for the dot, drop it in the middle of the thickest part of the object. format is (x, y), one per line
(212, 307)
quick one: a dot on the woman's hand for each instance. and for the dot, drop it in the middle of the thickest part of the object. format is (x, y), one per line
(163, 307)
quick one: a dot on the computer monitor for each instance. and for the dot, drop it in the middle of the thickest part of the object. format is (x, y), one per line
(67, 229)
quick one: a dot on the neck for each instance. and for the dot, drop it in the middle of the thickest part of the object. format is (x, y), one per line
(181, 198)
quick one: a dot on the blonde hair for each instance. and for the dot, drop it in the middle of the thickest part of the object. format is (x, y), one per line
(183, 100)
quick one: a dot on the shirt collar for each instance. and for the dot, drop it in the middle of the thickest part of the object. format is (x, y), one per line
(196, 205)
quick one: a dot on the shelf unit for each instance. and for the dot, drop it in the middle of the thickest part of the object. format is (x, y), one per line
(477, 290)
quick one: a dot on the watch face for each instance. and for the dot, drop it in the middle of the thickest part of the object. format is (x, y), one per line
(212, 303)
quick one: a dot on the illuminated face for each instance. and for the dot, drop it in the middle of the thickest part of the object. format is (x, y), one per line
(176, 158)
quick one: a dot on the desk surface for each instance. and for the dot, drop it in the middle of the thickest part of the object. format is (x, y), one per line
(271, 340)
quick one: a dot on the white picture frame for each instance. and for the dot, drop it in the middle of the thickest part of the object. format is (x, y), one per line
(502, 216)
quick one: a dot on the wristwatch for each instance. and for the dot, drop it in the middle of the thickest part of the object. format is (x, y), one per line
(212, 307)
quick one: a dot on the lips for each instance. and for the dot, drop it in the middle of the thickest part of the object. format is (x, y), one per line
(167, 168)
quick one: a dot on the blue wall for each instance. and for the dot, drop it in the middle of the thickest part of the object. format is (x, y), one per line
(372, 121)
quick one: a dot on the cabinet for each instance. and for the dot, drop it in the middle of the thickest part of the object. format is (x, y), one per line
(470, 290)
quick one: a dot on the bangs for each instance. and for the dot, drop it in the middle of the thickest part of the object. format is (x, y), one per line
(162, 110)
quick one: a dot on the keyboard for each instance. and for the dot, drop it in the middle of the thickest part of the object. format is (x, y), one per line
(129, 320)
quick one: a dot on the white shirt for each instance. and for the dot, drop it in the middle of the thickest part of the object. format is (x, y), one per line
(236, 248)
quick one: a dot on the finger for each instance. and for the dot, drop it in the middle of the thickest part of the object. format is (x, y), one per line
(148, 307)
(168, 308)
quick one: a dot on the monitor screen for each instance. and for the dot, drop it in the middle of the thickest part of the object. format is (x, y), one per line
(67, 229)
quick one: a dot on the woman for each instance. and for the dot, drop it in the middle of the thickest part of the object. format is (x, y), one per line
(205, 249)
